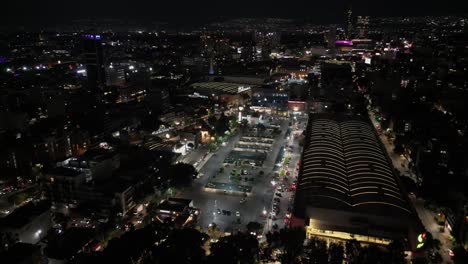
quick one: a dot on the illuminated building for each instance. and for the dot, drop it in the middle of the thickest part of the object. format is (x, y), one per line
(270, 100)
(266, 42)
(362, 26)
(347, 188)
(231, 93)
(349, 23)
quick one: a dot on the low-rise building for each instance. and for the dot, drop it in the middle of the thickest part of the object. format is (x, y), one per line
(29, 223)
(66, 246)
(178, 210)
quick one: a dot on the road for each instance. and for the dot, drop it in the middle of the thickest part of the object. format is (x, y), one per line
(196, 156)
(287, 198)
(399, 162)
(251, 210)
(427, 217)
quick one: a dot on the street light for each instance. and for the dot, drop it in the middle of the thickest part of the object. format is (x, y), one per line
(241, 108)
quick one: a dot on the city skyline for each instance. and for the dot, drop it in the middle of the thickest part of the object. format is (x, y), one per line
(247, 132)
(188, 12)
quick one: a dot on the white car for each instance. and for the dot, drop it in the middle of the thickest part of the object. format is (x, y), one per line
(237, 213)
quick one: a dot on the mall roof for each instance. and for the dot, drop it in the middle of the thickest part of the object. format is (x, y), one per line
(344, 167)
(222, 87)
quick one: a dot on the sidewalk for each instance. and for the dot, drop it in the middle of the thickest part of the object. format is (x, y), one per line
(399, 162)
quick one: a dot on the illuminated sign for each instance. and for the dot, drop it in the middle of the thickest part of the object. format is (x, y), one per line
(296, 102)
(94, 37)
(241, 89)
(421, 240)
(344, 42)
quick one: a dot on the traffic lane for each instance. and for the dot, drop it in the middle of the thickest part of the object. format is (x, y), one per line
(195, 155)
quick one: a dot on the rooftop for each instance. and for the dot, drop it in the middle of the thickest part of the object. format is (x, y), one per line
(62, 171)
(222, 87)
(344, 167)
(24, 214)
(174, 204)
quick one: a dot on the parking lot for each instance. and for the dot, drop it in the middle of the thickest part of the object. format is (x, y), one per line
(231, 171)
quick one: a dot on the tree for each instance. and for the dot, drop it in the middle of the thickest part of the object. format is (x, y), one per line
(336, 253)
(353, 248)
(317, 249)
(183, 246)
(396, 252)
(214, 232)
(222, 125)
(254, 227)
(245, 97)
(438, 258)
(460, 255)
(237, 248)
(371, 255)
(212, 120)
(129, 246)
(244, 122)
(292, 239)
(202, 111)
(182, 174)
(273, 239)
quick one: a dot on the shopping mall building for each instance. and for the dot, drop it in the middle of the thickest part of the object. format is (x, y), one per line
(347, 188)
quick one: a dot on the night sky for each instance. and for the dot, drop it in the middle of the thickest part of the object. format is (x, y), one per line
(20, 12)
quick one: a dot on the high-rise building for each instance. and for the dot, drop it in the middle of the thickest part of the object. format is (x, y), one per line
(362, 26)
(94, 61)
(115, 75)
(331, 38)
(266, 42)
(349, 23)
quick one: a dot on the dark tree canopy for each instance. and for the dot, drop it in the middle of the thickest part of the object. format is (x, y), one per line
(182, 174)
(237, 248)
